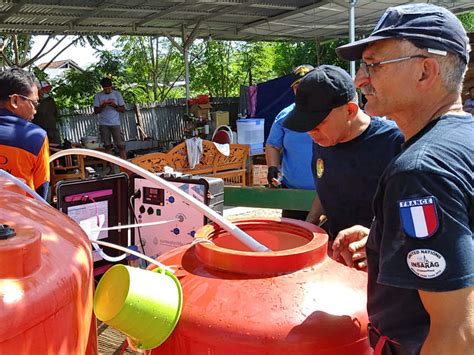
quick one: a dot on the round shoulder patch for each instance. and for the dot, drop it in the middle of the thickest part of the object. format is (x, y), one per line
(426, 263)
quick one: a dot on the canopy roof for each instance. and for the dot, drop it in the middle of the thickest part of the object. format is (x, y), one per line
(221, 19)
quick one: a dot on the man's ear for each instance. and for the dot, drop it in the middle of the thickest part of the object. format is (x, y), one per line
(352, 109)
(429, 74)
(13, 103)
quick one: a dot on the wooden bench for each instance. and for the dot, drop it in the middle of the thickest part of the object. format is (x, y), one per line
(232, 168)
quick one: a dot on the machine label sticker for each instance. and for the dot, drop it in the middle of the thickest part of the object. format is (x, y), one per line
(319, 168)
(419, 217)
(426, 263)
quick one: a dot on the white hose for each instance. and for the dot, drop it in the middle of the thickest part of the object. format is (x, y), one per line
(24, 186)
(208, 212)
(127, 226)
(133, 252)
(112, 259)
(116, 259)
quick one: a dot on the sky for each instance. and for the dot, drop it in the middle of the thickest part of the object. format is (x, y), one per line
(84, 56)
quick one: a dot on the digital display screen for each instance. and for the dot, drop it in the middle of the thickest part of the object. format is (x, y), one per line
(153, 196)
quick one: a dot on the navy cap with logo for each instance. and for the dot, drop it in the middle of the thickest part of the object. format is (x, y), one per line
(322, 89)
(427, 26)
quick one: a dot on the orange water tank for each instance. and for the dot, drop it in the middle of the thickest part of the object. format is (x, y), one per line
(46, 280)
(293, 300)
(7, 185)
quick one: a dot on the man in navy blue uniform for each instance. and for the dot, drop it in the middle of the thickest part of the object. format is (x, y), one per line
(420, 245)
(351, 149)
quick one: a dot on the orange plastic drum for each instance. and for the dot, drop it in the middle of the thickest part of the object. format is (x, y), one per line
(293, 300)
(46, 280)
(7, 185)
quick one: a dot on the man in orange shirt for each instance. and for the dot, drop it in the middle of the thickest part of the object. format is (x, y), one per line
(24, 147)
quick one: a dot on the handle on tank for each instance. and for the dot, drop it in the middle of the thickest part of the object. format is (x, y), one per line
(208, 212)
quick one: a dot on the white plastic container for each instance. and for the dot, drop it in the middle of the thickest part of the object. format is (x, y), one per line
(250, 130)
(90, 142)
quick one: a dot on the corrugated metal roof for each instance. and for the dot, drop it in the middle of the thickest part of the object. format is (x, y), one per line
(222, 19)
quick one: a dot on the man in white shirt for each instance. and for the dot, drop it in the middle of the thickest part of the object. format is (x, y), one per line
(108, 104)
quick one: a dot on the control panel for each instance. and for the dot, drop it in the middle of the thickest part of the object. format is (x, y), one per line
(152, 203)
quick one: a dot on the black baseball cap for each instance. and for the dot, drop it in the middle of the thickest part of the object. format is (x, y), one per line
(322, 89)
(299, 72)
(425, 25)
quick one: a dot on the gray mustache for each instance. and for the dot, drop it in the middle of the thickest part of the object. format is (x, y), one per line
(367, 90)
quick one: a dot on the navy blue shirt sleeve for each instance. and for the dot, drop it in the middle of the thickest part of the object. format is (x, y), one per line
(427, 238)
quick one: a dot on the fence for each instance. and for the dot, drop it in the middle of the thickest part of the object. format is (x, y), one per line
(164, 122)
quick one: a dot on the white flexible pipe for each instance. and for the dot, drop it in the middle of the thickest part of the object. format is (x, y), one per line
(22, 185)
(208, 212)
(116, 259)
(107, 257)
(133, 252)
(127, 226)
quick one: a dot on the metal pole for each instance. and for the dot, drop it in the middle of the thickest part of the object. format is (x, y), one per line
(352, 32)
(318, 54)
(186, 65)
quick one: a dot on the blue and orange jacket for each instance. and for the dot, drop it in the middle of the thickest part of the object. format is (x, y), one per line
(24, 151)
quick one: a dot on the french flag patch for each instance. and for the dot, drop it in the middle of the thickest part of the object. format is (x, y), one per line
(418, 217)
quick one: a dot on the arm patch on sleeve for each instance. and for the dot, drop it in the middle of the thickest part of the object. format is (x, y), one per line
(419, 217)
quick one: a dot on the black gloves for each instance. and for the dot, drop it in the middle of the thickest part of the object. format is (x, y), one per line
(273, 172)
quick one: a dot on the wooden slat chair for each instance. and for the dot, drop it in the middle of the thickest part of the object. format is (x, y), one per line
(232, 168)
(70, 167)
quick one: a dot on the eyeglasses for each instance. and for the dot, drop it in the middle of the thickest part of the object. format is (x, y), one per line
(366, 67)
(34, 102)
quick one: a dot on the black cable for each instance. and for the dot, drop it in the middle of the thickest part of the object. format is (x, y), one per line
(130, 205)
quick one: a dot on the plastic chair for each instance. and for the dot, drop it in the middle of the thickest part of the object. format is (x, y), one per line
(222, 135)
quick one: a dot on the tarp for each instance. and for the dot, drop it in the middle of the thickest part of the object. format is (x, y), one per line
(272, 97)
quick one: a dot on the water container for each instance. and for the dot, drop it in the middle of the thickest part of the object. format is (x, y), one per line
(250, 130)
(256, 149)
(46, 280)
(294, 300)
(90, 142)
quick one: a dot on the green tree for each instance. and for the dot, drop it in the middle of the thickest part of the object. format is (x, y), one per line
(15, 49)
(467, 19)
(256, 60)
(211, 68)
(221, 67)
(288, 55)
(77, 88)
(153, 64)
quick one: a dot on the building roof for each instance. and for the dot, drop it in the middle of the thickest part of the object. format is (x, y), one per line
(60, 64)
(222, 19)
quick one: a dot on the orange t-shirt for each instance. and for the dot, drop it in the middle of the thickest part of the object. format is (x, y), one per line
(24, 151)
